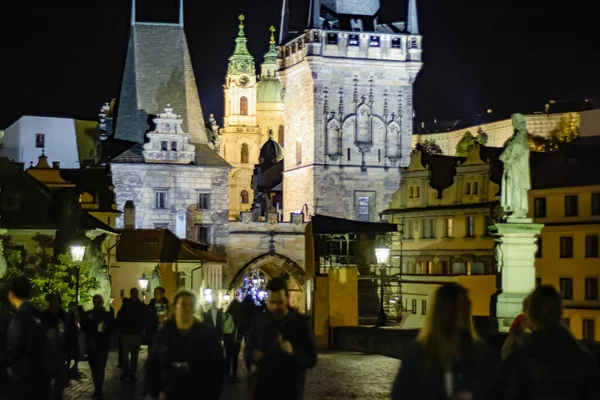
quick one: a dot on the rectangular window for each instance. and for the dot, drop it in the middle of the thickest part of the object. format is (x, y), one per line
(160, 200)
(487, 223)
(467, 188)
(161, 225)
(567, 323)
(164, 146)
(566, 288)
(539, 207)
(538, 253)
(566, 247)
(571, 206)
(591, 246)
(470, 226)
(173, 146)
(449, 223)
(445, 269)
(379, 155)
(203, 234)
(363, 209)
(595, 203)
(414, 192)
(298, 153)
(414, 306)
(424, 307)
(471, 188)
(40, 140)
(589, 329)
(203, 201)
(396, 43)
(348, 154)
(591, 288)
(353, 40)
(408, 229)
(428, 228)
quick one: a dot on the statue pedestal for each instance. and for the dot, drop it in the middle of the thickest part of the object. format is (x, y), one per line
(515, 253)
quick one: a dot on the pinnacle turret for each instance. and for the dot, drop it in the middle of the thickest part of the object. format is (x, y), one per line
(241, 61)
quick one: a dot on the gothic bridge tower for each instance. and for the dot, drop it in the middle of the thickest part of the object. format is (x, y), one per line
(348, 86)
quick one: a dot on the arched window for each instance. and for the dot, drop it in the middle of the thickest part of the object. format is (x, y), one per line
(245, 197)
(245, 154)
(243, 106)
(280, 133)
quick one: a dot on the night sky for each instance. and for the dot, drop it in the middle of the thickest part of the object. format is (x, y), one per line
(64, 58)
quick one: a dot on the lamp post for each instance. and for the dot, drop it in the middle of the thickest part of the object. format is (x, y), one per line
(77, 254)
(382, 254)
(143, 282)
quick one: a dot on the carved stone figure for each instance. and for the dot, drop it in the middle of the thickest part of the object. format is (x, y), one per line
(156, 279)
(516, 180)
(105, 286)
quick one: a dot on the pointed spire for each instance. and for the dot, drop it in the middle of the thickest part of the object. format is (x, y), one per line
(285, 20)
(132, 12)
(181, 13)
(413, 20)
(271, 55)
(314, 14)
(241, 61)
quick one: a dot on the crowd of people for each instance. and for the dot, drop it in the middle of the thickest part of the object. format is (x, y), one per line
(191, 356)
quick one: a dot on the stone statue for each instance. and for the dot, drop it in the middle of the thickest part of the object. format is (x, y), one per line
(105, 286)
(516, 180)
(156, 279)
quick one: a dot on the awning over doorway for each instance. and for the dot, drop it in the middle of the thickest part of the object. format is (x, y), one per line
(323, 224)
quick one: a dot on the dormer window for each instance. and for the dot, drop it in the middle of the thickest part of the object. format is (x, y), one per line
(414, 192)
(396, 43)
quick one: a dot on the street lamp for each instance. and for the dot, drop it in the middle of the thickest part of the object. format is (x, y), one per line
(77, 254)
(208, 295)
(143, 282)
(226, 297)
(382, 254)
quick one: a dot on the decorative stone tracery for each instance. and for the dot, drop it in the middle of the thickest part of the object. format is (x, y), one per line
(168, 143)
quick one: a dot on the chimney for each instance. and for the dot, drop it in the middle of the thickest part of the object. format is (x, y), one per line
(56, 164)
(129, 215)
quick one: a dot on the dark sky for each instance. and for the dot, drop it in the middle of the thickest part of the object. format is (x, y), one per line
(64, 58)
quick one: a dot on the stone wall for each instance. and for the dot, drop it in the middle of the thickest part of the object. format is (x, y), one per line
(318, 88)
(183, 184)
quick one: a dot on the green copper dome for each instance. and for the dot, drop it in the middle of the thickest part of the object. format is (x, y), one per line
(271, 152)
(269, 91)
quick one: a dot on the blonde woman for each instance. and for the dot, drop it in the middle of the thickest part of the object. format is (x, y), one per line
(447, 361)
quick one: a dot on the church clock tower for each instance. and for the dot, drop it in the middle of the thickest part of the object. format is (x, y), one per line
(240, 136)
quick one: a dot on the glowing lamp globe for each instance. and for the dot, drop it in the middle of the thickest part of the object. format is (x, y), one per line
(77, 253)
(143, 282)
(382, 254)
(226, 297)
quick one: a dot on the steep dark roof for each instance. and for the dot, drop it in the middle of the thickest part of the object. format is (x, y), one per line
(158, 71)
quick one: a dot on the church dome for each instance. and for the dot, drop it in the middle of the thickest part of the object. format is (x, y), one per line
(269, 91)
(271, 152)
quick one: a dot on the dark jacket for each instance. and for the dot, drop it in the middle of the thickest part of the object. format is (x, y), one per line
(132, 317)
(98, 326)
(279, 372)
(55, 325)
(154, 309)
(25, 345)
(475, 373)
(208, 320)
(551, 365)
(185, 366)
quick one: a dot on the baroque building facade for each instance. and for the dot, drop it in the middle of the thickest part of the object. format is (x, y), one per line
(253, 107)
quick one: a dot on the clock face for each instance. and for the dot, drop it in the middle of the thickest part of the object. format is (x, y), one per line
(244, 80)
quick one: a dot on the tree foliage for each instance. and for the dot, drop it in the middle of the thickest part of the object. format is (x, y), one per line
(468, 140)
(50, 276)
(430, 146)
(565, 131)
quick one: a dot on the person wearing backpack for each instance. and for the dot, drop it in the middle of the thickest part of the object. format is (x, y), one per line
(232, 338)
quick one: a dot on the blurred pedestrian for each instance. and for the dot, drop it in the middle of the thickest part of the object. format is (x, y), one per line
(447, 361)
(282, 346)
(54, 320)
(98, 325)
(552, 364)
(132, 320)
(248, 313)
(213, 318)
(186, 360)
(232, 337)
(159, 313)
(518, 333)
(72, 338)
(25, 346)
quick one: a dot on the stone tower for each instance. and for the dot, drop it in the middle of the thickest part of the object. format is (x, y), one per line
(348, 108)
(158, 70)
(241, 138)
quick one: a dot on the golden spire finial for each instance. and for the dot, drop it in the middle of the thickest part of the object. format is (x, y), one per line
(242, 18)
(272, 29)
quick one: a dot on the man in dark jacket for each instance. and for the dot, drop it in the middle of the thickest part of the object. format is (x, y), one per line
(158, 314)
(186, 361)
(551, 364)
(25, 346)
(132, 320)
(54, 320)
(282, 346)
(98, 325)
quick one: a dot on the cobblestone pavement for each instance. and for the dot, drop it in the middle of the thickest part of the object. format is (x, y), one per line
(337, 376)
